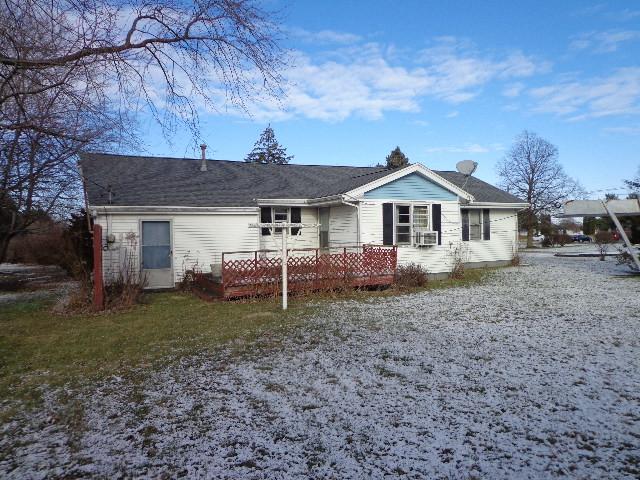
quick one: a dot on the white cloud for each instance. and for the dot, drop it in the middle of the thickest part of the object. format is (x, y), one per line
(452, 114)
(513, 90)
(616, 94)
(625, 130)
(604, 42)
(324, 36)
(460, 70)
(361, 80)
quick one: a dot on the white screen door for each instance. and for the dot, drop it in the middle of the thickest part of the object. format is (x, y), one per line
(156, 254)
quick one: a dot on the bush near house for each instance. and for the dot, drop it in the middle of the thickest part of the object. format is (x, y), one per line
(411, 275)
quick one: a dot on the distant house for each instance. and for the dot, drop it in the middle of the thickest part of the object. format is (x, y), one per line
(165, 214)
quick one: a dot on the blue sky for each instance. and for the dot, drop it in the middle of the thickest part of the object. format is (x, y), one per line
(447, 81)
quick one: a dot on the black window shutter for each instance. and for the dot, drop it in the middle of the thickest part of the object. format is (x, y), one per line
(436, 213)
(465, 225)
(265, 217)
(486, 224)
(387, 223)
(296, 217)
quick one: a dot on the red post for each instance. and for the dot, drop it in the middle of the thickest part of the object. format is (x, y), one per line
(98, 286)
(344, 263)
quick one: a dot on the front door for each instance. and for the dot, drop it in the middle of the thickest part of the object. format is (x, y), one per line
(156, 254)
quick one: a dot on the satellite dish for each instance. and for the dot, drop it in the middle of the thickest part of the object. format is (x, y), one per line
(466, 167)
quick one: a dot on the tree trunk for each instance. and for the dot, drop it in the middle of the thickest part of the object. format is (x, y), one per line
(4, 247)
(6, 238)
(530, 227)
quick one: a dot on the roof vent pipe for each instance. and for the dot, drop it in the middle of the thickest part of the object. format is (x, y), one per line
(203, 162)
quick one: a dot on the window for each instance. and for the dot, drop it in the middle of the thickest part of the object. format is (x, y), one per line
(475, 225)
(420, 218)
(410, 220)
(280, 215)
(409, 224)
(403, 224)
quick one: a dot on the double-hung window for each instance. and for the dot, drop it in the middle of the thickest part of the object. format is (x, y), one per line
(280, 215)
(410, 220)
(420, 220)
(403, 224)
(476, 224)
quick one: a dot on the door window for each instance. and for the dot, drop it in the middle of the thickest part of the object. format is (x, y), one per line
(156, 245)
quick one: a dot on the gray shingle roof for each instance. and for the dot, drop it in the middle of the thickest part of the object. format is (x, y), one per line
(159, 181)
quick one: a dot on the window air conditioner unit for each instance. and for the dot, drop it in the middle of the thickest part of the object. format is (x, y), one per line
(425, 239)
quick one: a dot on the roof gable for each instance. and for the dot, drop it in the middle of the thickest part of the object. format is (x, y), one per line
(411, 187)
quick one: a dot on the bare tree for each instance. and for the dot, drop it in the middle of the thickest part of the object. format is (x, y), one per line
(634, 184)
(531, 171)
(168, 54)
(74, 74)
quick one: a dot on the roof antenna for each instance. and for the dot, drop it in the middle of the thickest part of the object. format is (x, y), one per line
(203, 162)
(466, 167)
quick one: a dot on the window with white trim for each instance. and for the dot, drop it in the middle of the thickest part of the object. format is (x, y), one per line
(403, 224)
(420, 219)
(475, 224)
(409, 220)
(280, 215)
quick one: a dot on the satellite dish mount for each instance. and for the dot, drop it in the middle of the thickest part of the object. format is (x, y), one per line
(466, 167)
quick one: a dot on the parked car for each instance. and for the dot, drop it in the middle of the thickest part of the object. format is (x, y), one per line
(581, 238)
(538, 238)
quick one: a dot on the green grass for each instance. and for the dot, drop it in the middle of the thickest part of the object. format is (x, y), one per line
(38, 347)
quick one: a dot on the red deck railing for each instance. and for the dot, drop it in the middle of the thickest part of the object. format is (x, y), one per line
(260, 272)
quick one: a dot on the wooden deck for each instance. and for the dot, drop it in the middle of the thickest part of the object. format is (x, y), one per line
(259, 272)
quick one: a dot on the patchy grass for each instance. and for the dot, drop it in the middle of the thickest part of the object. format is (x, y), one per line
(39, 347)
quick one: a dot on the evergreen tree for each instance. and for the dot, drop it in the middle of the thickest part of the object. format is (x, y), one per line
(397, 159)
(268, 150)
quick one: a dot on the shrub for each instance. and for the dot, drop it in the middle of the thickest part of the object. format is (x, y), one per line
(603, 240)
(456, 254)
(411, 275)
(10, 283)
(561, 239)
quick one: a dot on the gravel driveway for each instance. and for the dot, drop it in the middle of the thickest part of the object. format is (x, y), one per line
(533, 374)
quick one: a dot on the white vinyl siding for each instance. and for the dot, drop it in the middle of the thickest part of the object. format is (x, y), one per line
(343, 226)
(504, 225)
(197, 239)
(438, 258)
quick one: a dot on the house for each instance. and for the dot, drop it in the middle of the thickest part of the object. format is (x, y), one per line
(173, 213)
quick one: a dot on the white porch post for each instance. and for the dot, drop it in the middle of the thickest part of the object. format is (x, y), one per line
(285, 226)
(285, 261)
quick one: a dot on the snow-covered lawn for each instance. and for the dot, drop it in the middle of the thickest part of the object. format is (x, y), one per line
(533, 374)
